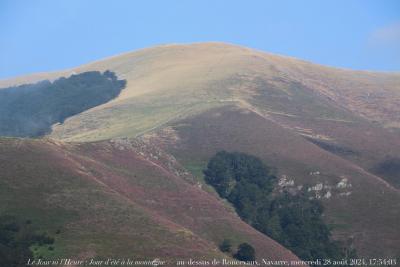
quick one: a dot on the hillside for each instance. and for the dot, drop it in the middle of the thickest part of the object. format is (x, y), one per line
(332, 131)
(361, 207)
(111, 199)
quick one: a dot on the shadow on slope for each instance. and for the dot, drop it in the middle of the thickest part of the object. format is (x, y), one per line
(332, 147)
(390, 169)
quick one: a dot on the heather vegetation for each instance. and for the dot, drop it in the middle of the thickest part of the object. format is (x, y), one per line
(29, 110)
(292, 219)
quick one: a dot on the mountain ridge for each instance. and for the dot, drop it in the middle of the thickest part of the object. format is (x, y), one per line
(36, 76)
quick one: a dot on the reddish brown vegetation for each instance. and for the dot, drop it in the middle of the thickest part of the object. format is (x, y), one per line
(367, 214)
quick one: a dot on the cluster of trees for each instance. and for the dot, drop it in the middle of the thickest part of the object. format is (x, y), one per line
(16, 239)
(30, 110)
(293, 220)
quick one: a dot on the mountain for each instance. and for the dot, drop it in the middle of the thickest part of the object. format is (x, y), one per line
(331, 131)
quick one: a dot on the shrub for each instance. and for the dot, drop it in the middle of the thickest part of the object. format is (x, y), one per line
(225, 246)
(245, 252)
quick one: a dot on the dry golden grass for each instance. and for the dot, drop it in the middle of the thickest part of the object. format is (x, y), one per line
(167, 81)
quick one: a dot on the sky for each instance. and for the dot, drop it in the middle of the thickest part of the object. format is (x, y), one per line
(49, 35)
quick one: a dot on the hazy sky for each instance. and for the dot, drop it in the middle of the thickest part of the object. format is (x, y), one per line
(37, 36)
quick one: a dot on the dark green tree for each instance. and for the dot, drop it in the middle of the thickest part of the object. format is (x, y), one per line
(225, 246)
(245, 252)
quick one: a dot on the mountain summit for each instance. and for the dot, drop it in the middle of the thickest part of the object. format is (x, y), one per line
(170, 81)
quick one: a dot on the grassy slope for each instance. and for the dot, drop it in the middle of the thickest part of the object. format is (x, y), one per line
(49, 189)
(368, 215)
(172, 79)
(108, 201)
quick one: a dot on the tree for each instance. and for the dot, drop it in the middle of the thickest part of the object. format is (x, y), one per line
(245, 252)
(225, 246)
